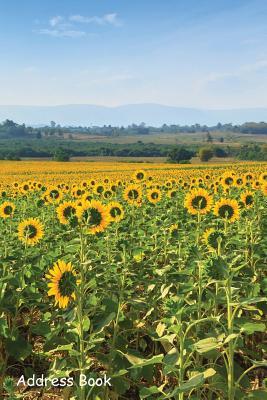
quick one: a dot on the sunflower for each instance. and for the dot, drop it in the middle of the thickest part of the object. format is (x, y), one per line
(30, 231)
(25, 187)
(264, 189)
(200, 182)
(113, 187)
(198, 201)
(256, 184)
(77, 192)
(227, 179)
(132, 194)
(211, 238)
(99, 188)
(115, 211)
(172, 193)
(7, 209)
(227, 209)
(239, 181)
(139, 175)
(168, 184)
(63, 282)
(107, 194)
(84, 184)
(263, 177)
(173, 230)
(87, 197)
(247, 198)
(66, 212)
(94, 215)
(53, 194)
(154, 195)
(249, 176)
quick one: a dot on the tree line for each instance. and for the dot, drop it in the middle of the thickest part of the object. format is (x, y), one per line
(10, 129)
(11, 149)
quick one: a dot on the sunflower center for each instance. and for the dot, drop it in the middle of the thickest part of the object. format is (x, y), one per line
(93, 217)
(8, 210)
(69, 211)
(88, 198)
(249, 200)
(226, 211)
(213, 239)
(154, 195)
(107, 194)
(229, 180)
(199, 202)
(140, 175)
(31, 231)
(54, 194)
(67, 283)
(100, 189)
(133, 194)
(115, 211)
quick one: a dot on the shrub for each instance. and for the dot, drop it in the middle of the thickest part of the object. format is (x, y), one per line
(205, 154)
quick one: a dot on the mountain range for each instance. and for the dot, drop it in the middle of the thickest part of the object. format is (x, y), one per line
(150, 114)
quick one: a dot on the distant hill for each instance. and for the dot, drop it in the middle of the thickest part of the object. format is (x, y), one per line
(151, 114)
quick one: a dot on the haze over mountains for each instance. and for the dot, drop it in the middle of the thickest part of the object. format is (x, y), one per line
(150, 114)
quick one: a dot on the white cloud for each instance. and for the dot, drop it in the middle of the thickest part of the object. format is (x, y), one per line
(62, 33)
(111, 19)
(56, 20)
(60, 26)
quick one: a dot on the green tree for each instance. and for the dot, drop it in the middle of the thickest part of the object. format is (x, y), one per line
(209, 138)
(219, 152)
(180, 154)
(205, 153)
(61, 155)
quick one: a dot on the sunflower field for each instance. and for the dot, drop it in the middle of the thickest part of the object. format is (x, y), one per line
(126, 283)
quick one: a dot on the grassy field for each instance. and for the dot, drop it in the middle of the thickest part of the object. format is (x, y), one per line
(139, 160)
(179, 138)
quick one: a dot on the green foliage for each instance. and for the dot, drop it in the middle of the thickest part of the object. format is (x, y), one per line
(219, 152)
(61, 155)
(180, 155)
(205, 153)
(166, 317)
(10, 129)
(36, 148)
(253, 152)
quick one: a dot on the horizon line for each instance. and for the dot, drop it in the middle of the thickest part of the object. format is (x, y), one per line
(133, 104)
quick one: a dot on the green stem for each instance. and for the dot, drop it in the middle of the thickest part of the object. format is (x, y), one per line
(181, 365)
(230, 375)
(80, 314)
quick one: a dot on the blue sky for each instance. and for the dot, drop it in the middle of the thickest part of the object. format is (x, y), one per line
(189, 53)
